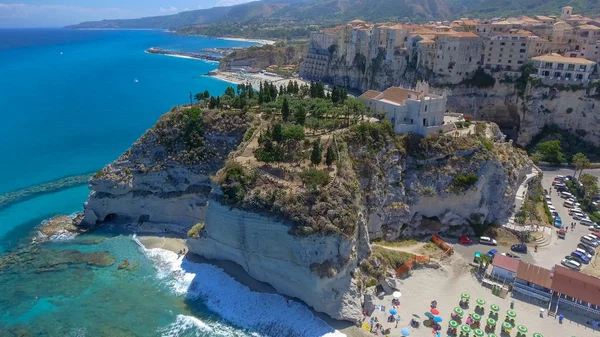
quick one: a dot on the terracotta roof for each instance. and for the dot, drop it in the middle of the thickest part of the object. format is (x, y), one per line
(469, 22)
(464, 34)
(554, 57)
(356, 21)
(588, 27)
(505, 262)
(370, 94)
(534, 274)
(576, 284)
(543, 18)
(398, 95)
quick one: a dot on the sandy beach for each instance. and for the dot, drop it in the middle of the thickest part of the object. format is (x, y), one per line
(259, 41)
(254, 79)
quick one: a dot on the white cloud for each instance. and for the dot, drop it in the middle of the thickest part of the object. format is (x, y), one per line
(171, 9)
(223, 3)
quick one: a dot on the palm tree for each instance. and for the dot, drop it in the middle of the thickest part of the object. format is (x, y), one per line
(581, 163)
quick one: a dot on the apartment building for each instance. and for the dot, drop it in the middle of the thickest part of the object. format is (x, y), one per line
(510, 50)
(317, 58)
(555, 68)
(458, 55)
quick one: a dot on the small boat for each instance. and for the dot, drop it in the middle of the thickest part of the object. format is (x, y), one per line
(61, 53)
(136, 80)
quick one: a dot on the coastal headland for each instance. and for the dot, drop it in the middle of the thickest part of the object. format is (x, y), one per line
(198, 56)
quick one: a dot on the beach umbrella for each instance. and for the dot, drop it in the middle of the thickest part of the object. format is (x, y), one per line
(537, 334)
(405, 332)
(434, 311)
(465, 328)
(480, 301)
(429, 315)
(478, 332)
(476, 317)
(465, 296)
(393, 311)
(521, 328)
(492, 335)
(511, 314)
(437, 319)
(458, 311)
(495, 308)
(491, 321)
(506, 325)
(453, 324)
(397, 294)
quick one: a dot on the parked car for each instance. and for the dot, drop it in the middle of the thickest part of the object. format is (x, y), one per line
(555, 214)
(595, 235)
(492, 253)
(586, 222)
(551, 208)
(570, 178)
(574, 265)
(548, 198)
(558, 222)
(465, 240)
(594, 228)
(580, 257)
(511, 255)
(589, 240)
(590, 250)
(559, 177)
(574, 209)
(519, 248)
(562, 189)
(584, 252)
(484, 240)
(578, 216)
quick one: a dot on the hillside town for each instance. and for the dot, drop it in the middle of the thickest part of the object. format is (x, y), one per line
(563, 48)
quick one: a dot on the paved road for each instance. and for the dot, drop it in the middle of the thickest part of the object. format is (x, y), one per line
(552, 254)
(468, 251)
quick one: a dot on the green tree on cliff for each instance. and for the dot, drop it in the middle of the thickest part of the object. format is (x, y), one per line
(330, 156)
(315, 156)
(551, 152)
(277, 133)
(199, 97)
(285, 109)
(590, 184)
(300, 115)
(230, 92)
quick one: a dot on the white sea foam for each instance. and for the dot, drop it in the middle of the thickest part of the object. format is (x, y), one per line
(267, 314)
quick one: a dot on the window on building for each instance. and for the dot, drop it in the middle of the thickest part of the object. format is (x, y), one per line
(557, 74)
(490, 48)
(500, 61)
(568, 75)
(512, 44)
(582, 68)
(522, 50)
(502, 43)
(509, 61)
(548, 65)
(500, 55)
(425, 108)
(489, 60)
(560, 66)
(571, 67)
(519, 62)
(580, 77)
(501, 49)
(522, 44)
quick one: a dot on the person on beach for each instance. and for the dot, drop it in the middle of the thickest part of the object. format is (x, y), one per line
(179, 254)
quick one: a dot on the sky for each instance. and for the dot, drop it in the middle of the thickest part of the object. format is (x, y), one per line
(58, 13)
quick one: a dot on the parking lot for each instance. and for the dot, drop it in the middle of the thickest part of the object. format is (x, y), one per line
(557, 249)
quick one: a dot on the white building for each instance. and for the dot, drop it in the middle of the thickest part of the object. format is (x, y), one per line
(409, 111)
(557, 68)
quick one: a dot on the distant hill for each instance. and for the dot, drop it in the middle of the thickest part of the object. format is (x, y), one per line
(338, 11)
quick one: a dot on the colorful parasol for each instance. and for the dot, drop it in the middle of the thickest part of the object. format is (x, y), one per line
(522, 328)
(453, 324)
(480, 301)
(495, 308)
(491, 321)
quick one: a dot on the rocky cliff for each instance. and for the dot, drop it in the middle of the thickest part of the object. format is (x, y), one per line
(165, 176)
(193, 169)
(572, 108)
(414, 186)
(522, 113)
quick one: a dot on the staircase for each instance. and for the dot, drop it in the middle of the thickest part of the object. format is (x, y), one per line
(542, 242)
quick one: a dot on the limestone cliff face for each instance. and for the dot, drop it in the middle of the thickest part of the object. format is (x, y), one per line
(162, 177)
(577, 111)
(317, 269)
(408, 194)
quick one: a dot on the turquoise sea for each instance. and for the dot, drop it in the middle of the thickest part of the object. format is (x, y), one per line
(72, 101)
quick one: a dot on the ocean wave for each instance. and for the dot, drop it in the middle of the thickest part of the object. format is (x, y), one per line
(267, 314)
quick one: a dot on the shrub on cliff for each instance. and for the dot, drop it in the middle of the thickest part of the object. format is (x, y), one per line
(314, 177)
(236, 182)
(463, 182)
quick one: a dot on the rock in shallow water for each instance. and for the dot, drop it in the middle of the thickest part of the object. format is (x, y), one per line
(57, 225)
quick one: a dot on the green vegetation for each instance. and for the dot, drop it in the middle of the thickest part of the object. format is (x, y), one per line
(316, 155)
(195, 231)
(570, 144)
(314, 177)
(235, 182)
(550, 151)
(330, 156)
(193, 136)
(463, 182)
(581, 163)
(381, 260)
(98, 174)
